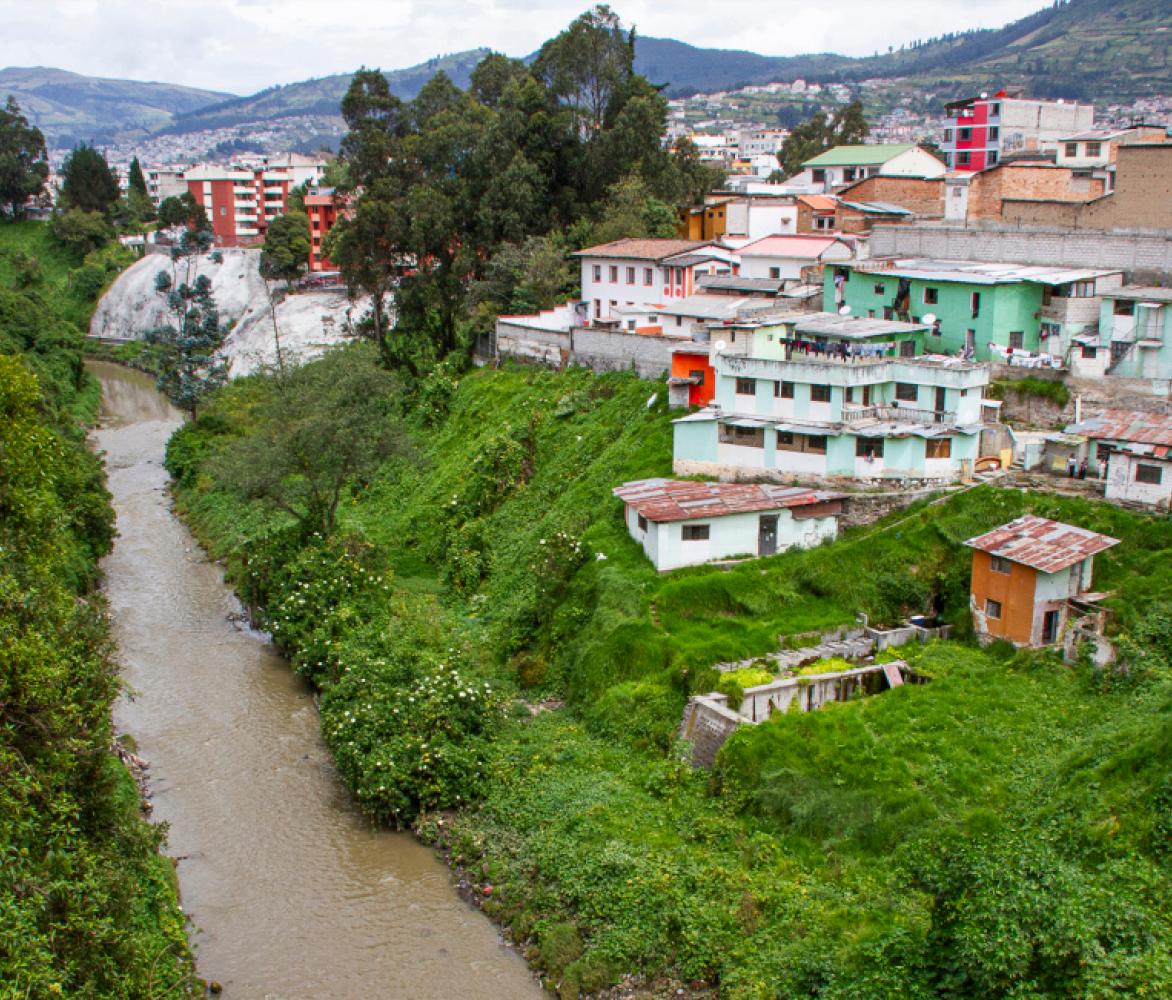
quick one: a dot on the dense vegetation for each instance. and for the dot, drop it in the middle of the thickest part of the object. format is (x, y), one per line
(87, 905)
(1000, 831)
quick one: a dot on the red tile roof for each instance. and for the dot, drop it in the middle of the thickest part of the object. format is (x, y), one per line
(1045, 545)
(663, 500)
(819, 202)
(634, 249)
(1126, 425)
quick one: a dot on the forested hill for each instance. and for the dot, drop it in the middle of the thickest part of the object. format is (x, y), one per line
(323, 96)
(70, 108)
(1090, 49)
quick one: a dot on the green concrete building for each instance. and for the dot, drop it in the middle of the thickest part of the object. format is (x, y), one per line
(975, 308)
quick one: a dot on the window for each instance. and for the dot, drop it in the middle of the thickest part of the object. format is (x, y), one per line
(888, 312)
(667, 275)
(785, 439)
(630, 275)
(994, 132)
(698, 375)
(1094, 148)
(598, 272)
(1081, 290)
(746, 387)
(696, 532)
(999, 564)
(819, 394)
(783, 390)
(816, 442)
(991, 159)
(642, 523)
(1088, 352)
(931, 296)
(818, 175)
(1017, 339)
(869, 447)
(992, 609)
(648, 276)
(880, 289)
(614, 274)
(975, 302)
(1151, 474)
(746, 437)
(775, 272)
(1122, 307)
(963, 159)
(824, 222)
(938, 448)
(995, 110)
(679, 321)
(948, 135)
(906, 392)
(1072, 149)
(964, 134)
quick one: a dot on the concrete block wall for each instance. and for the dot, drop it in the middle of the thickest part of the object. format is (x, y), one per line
(1145, 256)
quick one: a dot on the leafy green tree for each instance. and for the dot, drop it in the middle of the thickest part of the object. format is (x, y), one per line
(87, 182)
(374, 119)
(322, 427)
(189, 369)
(285, 254)
(631, 210)
(135, 180)
(822, 132)
(137, 207)
(82, 231)
(24, 165)
(183, 210)
(493, 76)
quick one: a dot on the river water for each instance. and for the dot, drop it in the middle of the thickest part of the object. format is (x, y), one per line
(292, 893)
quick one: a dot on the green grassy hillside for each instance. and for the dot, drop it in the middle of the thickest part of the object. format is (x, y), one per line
(1002, 828)
(88, 907)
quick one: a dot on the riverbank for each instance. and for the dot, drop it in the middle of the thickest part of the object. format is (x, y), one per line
(852, 852)
(88, 905)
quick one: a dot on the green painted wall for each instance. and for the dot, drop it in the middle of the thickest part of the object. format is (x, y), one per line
(695, 440)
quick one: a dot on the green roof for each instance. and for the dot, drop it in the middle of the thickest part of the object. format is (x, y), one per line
(859, 156)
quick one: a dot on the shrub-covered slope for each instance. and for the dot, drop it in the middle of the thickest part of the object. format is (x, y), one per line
(1001, 830)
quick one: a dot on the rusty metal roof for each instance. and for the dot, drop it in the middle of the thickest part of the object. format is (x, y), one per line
(644, 249)
(1126, 425)
(664, 500)
(1045, 545)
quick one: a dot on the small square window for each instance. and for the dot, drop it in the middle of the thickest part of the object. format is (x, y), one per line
(1017, 339)
(931, 296)
(1094, 149)
(1088, 352)
(906, 392)
(819, 394)
(1072, 149)
(880, 289)
(869, 448)
(999, 564)
(816, 443)
(993, 609)
(783, 390)
(775, 273)
(1150, 474)
(695, 532)
(746, 387)
(938, 448)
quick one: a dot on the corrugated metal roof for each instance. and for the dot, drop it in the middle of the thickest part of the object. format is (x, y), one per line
(852, 156)
(737, 282)
(1126, 425)
(852, 327)
(1045, 545)
(805, 247)
(877, 207)
(977, 272)
(1140, 293)
(665, 500)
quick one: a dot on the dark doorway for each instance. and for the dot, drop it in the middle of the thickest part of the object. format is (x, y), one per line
(1050, 628)
(940, 398)
(767, 535)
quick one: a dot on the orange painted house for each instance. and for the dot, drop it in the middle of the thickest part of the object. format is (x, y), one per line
(691, 370)
(1025, 576)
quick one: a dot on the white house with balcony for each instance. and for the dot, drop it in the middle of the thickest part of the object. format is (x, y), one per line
(646, 272)
(823, 396)
(846, 164)
(787, 257)
(1133, 338)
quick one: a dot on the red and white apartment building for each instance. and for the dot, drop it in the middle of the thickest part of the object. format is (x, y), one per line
(241, 201)
(982, 131)
(321, 205)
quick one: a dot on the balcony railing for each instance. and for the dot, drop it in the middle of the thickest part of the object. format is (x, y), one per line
(896, 414)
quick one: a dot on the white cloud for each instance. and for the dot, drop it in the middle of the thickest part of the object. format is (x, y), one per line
(245, 45)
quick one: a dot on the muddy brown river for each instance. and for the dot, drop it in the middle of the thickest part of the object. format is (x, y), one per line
(291, 892)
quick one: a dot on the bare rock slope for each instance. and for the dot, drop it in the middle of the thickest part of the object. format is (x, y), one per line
(309, 322)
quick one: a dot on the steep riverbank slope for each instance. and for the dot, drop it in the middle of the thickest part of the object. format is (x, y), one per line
(88, 908)
(308, 321)
(501, 666)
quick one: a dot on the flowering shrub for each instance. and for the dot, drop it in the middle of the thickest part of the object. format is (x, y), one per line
(405, 748)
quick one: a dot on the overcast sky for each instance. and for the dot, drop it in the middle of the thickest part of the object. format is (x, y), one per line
(244, 45)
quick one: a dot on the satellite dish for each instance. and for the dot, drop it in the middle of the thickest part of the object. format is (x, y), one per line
(984, 94)
(719, 346)
(844, 311)
(928, 318)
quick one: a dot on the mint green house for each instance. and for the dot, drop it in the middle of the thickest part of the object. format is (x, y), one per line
(976, 308)
(834, 397)
(1133, 339)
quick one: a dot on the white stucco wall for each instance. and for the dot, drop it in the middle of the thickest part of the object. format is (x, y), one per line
(1121, 484)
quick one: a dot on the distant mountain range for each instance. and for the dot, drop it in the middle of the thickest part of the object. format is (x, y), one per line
(1103, 50)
